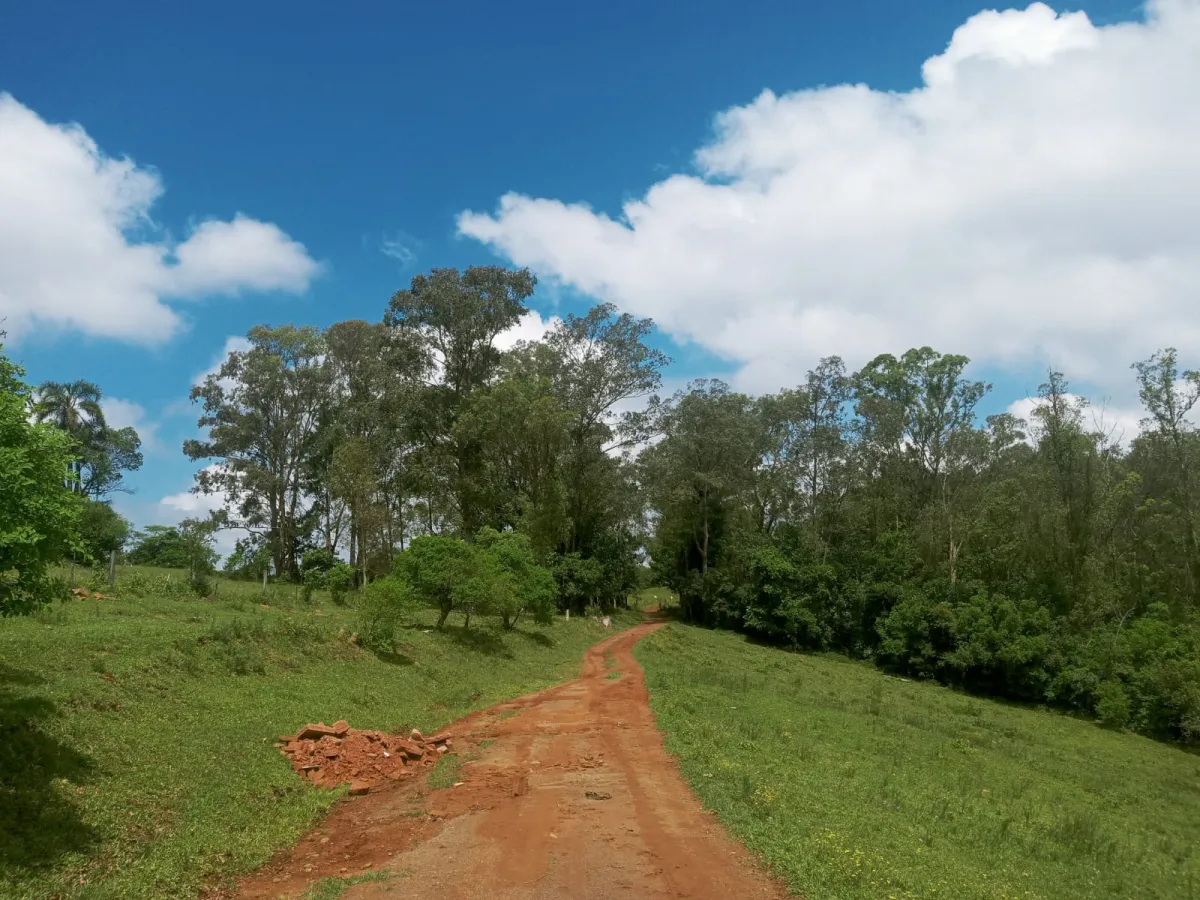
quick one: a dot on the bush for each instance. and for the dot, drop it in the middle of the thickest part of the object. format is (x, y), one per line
(916, 635)
(382, 606)
(338, 580)
(438, 568)
(1112, 704)
(317, 562)
(522, 585)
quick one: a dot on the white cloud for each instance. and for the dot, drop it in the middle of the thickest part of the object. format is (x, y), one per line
(1037, 199)
(122, 413)
(1119, 424)
(189, 505)
(400, 247)
(174, 508)
(79, 250)
(532, 327)
(232, 343)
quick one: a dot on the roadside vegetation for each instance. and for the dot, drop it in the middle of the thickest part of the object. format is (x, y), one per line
(855, 785)
(136, 734)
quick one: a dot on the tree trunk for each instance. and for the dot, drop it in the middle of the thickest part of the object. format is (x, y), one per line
(443, 615)
(264, 583)
(112, 568)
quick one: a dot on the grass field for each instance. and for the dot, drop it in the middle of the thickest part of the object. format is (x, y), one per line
(136, 755)
(855, 785)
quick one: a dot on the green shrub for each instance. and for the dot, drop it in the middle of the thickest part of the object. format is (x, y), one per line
(338, 580)
(522, 585)
(1112, 704)
(382, 607)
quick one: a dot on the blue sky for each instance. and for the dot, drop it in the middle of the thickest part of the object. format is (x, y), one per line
(364, 133)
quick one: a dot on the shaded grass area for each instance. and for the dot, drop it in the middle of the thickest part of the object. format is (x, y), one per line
(853, 784)
(136, 755)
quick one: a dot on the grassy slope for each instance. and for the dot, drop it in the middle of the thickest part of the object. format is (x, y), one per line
(853, 784)
(134, 762)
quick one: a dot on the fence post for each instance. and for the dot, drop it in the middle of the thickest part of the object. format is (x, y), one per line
(112, 568)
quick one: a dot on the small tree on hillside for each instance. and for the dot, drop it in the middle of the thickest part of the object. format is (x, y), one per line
(523, 586)
(449, 575)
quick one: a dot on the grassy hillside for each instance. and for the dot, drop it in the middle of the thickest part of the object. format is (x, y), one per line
(136, 755)
(854, 784)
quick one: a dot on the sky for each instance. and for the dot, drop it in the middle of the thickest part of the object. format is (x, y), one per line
(771, 182)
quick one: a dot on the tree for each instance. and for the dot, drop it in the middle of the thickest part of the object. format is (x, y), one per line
(698, 478)
(38, 512)
(526, 586)
(102, 454)
(105, 460)
(523, 434)
(74, 408)
(262, 410)
(455, 319)
(158, 545)
(101, 530)
(197, 537)
(1169, 396)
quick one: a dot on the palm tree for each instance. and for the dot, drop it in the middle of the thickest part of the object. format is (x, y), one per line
(74, 408)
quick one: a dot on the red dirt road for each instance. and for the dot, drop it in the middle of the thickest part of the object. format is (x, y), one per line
(521, 823)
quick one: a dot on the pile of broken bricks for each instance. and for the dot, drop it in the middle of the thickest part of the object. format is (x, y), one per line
(329, 755)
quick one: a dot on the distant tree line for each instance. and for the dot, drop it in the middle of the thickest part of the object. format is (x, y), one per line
(362, 438)
(871, 513)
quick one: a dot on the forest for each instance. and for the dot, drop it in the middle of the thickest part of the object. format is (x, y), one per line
(872, 513)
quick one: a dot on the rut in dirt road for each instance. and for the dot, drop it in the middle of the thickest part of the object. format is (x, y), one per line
(571, 795)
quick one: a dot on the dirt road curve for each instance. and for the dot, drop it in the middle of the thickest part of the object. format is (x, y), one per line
(521, 823)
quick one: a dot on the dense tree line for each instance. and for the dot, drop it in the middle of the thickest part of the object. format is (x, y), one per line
(872, 513)
(362, 438)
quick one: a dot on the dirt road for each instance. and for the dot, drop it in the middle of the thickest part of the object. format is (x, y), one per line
(567, 794)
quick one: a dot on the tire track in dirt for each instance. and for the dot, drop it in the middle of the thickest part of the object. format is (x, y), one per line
(521, 825)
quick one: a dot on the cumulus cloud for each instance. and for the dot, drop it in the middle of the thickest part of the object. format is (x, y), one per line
(79, 250)
(126, 413)
(188, 505)
(1036, 199)
(174, 508)
(532, 327)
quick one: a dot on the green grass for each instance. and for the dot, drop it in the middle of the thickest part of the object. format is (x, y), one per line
(136, 735)
(663, 598)
(333, 887)
(447, 771)
(853, 784)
